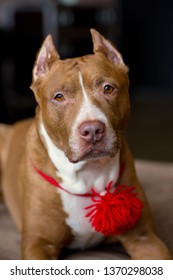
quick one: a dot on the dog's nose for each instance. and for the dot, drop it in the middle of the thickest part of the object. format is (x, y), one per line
(92, 131)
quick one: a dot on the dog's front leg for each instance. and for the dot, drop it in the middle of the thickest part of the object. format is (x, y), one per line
(42, 240)
(38, 249)
(44, 229)
(141, 242)
(144, 245)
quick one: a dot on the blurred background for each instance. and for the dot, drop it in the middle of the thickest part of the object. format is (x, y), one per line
(143, 32)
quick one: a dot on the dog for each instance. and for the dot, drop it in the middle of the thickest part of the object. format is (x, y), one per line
(58, 169)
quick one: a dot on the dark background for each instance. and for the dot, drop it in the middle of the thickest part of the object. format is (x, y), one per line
(142, 30)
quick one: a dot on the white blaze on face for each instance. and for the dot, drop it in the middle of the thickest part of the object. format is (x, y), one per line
(87, 112)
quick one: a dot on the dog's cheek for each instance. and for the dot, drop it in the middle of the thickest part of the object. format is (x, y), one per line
(124, 109)
(58, 122)
(120, 111)
(53, 122)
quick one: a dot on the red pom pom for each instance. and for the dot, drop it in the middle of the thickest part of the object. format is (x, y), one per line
(116, 212)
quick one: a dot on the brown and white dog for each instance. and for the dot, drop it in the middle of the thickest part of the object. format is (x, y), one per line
(77, 138)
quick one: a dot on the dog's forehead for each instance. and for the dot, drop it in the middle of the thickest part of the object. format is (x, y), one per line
(88, 65)
(65, 73)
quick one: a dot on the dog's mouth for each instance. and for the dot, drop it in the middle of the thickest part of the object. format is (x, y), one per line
(95, 154)
(83, 151)
(91, 154)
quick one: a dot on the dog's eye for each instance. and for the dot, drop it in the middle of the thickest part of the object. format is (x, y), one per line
(59, 97)
(108, 89)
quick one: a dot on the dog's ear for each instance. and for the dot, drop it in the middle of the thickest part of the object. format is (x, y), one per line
(45, 58)
(100, 44)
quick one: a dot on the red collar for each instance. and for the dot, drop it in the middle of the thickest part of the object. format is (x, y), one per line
(91, 194)
(112, 213)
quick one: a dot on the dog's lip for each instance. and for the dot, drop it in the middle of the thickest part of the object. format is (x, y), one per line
(91, 153)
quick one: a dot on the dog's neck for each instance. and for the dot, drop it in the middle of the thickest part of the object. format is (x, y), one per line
(74, 176)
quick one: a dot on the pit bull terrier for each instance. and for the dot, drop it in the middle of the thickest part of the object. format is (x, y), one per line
(58, 166)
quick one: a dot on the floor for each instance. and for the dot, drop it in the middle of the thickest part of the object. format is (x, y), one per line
(150, 131)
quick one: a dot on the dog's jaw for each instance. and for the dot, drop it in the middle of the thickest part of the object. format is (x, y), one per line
(74, 175)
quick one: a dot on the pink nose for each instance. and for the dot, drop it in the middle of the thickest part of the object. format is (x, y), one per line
(92, 131)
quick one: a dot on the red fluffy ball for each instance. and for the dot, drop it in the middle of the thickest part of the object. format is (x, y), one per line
(115, 212)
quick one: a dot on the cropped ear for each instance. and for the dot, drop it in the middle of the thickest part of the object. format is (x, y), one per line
(45, 58)
(100, 44)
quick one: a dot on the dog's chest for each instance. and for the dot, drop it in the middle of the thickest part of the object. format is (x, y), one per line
(84, 235)
(97, 177)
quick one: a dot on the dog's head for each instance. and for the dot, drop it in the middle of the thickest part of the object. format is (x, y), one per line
(83, 102)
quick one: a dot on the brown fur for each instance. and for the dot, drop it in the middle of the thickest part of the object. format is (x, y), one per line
(35, 206)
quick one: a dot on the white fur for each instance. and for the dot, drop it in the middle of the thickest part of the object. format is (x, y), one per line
(79, 178)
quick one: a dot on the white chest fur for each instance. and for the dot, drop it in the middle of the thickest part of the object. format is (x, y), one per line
(98, 176)
(79, 178)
